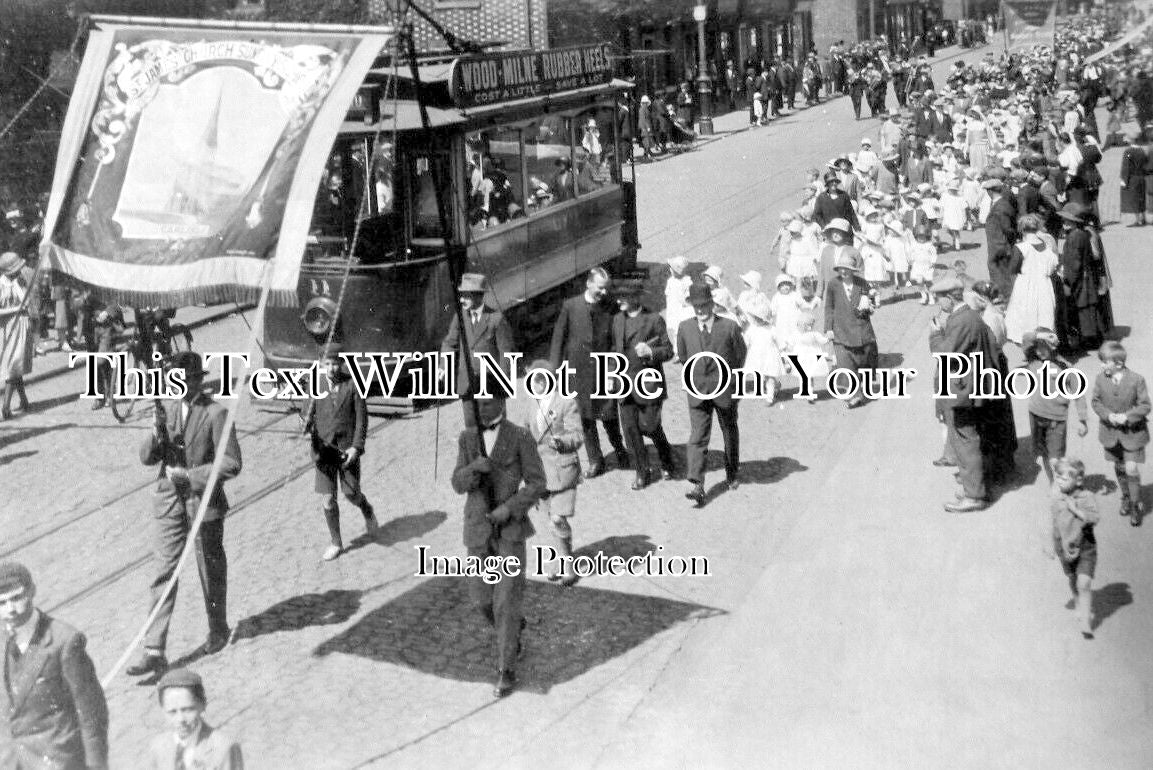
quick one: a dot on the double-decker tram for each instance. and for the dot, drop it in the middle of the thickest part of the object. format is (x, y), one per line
(526, 151)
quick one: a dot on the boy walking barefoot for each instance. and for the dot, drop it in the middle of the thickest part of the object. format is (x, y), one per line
(1074, 513)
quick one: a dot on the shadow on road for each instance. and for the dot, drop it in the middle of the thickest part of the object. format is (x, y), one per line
(768, 471)
(1108, 599)
(4, 460)
(16, 436)
(323, 609)
(401, 529)
(434, 628)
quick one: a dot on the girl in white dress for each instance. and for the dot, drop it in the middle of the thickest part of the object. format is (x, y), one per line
(811, 347)
(780, 242)
(1032, 303)
(896, 247)
(801, 255)
(748, 297)
(786, 311)
(725, 304)
(954, 213)
(876, 267)
(677, 306)
(923, 255)
(764, 356)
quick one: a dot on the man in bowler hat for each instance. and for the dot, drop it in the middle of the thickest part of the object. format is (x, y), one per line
(183, 443)
(55, 715)
(706, 332)
(337, 425)
(485, 331)
(502, 479)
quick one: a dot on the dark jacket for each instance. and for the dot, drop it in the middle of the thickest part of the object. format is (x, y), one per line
(338, 421)
(582, 329)
(965, 333)
(647, 327)
(201, 435)
(515, 461)
(851, 327)
(56, 717)
(492, 335)
(1001, 235)
(827, 208)
(726, 341)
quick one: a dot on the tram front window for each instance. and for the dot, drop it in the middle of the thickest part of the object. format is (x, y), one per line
(343, 212)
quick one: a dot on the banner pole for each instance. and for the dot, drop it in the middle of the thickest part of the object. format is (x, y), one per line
(232, 409)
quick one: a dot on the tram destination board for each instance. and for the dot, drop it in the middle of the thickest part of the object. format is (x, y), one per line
(500, 77)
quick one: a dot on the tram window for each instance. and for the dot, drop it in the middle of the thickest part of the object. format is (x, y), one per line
(596, 152)
(425, 217)
(328, 210)
(548, 162)
(382, 180)
(496, 178)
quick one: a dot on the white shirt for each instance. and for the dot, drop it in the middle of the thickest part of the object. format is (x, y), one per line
(189, 745)
(706, 326)
(23, 634)
(489, 436)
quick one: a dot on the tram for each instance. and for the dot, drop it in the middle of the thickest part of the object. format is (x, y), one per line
(537, 189)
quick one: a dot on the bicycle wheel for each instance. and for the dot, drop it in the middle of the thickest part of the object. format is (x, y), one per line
(124, 404)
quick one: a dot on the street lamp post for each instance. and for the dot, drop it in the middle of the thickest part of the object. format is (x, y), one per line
(704, 82)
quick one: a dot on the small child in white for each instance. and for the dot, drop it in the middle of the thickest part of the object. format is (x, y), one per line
(923, 256)
(896, 247)
(764, 356)
(954, 213)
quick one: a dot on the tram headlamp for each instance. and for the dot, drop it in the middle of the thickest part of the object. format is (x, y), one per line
(319, 315)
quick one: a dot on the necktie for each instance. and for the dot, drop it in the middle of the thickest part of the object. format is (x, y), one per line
(179, 764)
(705, 337)
(475, 317)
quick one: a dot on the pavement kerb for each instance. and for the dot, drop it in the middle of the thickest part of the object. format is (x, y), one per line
(209, 318)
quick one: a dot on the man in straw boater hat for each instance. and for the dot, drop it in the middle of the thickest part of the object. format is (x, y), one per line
(848, 324)
(54, 711)
(337, 425)
(183, 443)
(640, 336)
(485, 331)
(707, 332)
(501, 480)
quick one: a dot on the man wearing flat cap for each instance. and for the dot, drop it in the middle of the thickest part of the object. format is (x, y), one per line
(485, 331)
(706, 332)
(640, 336)
(183, 442)
(337, 425)
(963, 332)
(55, 715)
(1001, 236)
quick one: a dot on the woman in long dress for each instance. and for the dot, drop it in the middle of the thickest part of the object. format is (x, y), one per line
(977, 140)
(1079, 321)
(1032, 303)
(16, 338)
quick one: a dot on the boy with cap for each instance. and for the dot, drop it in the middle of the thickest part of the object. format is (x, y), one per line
(337, 425)
(193, 743)
(183, 443)
(51, 698)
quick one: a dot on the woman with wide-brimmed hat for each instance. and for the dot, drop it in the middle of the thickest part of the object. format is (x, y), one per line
(17, 342)
(1079, 321)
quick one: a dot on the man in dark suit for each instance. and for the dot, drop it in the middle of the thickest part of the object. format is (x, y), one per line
(965, 333)
(585, 327)
(183, 442)
(848, 320)
(55, 716)
(337, 425)
(496, 520)
(941, 123)
(732, 84)
(706, 332)
(1001, 235)
(640, 336)
(486, 331)
(922, 125)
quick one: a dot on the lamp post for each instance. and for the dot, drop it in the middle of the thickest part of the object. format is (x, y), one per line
(704, 83)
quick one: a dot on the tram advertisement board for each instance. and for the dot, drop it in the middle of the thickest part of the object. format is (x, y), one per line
(1029, 23)
(501, 77)
(190, 157)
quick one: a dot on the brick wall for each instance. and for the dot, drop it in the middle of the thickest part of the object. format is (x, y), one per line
(479, 20)
(835, 20)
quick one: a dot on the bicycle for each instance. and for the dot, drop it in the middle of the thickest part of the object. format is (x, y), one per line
(153, 334)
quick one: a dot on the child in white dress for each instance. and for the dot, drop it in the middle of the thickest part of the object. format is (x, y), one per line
(896, 247)
(677, 306)
(811, 347)
(954, 213)
(972, 193)
(748, 296)
(764, 356)
(800, 255)
(923, 256)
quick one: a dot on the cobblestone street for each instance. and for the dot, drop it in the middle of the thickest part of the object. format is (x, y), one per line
(847, 621)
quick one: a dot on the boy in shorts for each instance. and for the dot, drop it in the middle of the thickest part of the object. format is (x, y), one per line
(1121, 401)
(1074, 513)
(338, 424)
